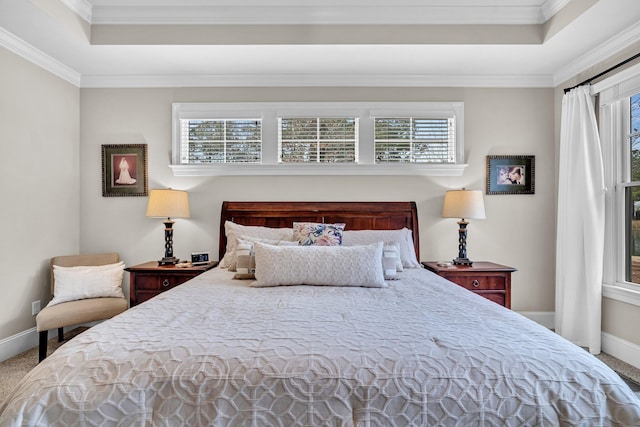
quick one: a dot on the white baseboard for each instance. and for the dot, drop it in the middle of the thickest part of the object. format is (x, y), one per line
(621, 349)
(26, 340)
(18, 343)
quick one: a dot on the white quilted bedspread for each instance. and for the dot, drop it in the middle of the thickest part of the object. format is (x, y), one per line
(422, 351)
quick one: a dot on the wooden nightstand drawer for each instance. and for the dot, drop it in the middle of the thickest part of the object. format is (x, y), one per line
(160, 282)
(478, 282)
(149, 279)
(492, 281)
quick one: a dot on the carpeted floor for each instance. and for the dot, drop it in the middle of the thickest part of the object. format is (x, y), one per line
(630, 374)
(12, 370)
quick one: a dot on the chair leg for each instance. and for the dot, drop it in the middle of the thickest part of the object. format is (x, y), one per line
(60, 334)
(42, 350)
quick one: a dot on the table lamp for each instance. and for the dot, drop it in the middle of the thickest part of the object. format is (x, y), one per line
(168, 204)
(463, 204)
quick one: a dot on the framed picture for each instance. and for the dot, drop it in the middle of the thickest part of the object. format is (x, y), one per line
(124, 170)
(511, 174)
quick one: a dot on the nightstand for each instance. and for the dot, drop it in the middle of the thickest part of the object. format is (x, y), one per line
(149, 279)
(492, 281)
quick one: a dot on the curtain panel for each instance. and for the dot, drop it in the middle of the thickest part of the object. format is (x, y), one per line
(581, 223)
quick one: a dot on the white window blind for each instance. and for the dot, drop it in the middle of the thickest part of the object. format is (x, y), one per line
(312, 138)
(220, 141)
(419, 140)
(317, 140)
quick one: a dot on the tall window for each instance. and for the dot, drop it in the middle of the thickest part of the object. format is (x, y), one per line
(318, 140)
(221, 141)
(411, 139)
(619, 125)
(631, 183)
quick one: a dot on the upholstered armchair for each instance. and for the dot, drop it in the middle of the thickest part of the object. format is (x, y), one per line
(88, 291)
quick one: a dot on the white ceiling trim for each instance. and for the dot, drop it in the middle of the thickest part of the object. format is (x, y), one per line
(318, 80)
(178, 14)
(82, 8)
(551, 7)
(532, 14)
(598, 54)
(39, 58)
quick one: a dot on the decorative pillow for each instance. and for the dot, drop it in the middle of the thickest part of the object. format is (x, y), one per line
(319, 265)
(233, 231)
(403, 238)
(250, 241)
(90, 281)
(391, 263)
(245, 263)
(313, 233)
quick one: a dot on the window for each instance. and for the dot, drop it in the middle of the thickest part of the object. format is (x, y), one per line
(319, 140)
(410, 139)
(619, 123)
(332, 138)
(221, 141)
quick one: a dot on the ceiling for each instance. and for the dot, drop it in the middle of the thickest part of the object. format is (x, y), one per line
(175, 43)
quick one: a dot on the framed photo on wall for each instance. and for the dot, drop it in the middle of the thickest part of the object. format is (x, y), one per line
(124, 170)
(511, 174)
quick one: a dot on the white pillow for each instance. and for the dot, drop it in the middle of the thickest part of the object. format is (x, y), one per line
(403, 238)
(244, 263)
(87, 281)
(233, 231)
(391, 263)
(319, 265)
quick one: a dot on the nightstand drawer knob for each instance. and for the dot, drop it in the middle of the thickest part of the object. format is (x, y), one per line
(475, 283)
(166, 283)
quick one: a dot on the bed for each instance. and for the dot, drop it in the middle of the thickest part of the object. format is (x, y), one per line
(417, 350)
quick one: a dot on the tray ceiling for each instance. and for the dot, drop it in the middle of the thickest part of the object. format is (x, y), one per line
(171, 43)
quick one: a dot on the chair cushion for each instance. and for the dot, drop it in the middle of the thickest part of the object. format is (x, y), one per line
(80, 311)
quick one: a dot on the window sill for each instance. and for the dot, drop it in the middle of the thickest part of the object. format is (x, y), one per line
(622, 292)
(314, 169)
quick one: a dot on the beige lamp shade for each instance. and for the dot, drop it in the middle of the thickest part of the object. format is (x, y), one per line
(168, 204)
(463, 204)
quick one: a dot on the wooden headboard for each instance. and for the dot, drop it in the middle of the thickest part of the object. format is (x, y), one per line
(357, 216)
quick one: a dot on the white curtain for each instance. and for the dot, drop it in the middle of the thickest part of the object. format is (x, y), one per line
(580, 232)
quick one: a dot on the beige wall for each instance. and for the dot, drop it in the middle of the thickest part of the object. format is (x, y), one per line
(518, 231)
(39, 184)
(50, 182)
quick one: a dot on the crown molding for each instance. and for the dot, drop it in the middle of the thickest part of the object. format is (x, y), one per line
(317, 80)
(82, 8)
(39, 58)
(344, 12)
(598, 55)
(551, 7)
(518, 14)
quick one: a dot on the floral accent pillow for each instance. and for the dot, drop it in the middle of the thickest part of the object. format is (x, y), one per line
(318, 234)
